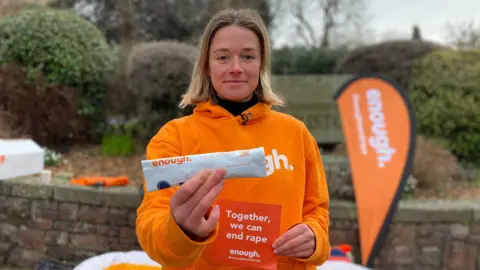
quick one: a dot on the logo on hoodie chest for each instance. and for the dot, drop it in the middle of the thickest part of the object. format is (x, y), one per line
(277, 161)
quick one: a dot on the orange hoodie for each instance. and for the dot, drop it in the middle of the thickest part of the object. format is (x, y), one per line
(296, 181)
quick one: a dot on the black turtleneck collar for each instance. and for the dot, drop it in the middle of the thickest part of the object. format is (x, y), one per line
(236, 107)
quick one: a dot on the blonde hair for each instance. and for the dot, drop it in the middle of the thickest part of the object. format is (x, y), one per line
(200, 88)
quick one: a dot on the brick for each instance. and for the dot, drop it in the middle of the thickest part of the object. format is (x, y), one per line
(92, 214)
(430, 256)
(56, 238)
(46, 209)
(130, 244)
(5, 189)
(403, 255)
(90, 242)
(475, 228)
(81, 255)
(62, 253)
(31, 239)
(122, 197)
(30, 190)
(435, 211)
(460, 255)
(403, 235)
(476, 216)
(40, 223)
(17, 208)
(20, 257)
(4, 248)
(459, 231)
(344, 225)
(73, 227)
(339, 178)
(68, 211)
(117, 216)
(116, 243)
(128, 233)
(107, 230)
(338, 237)
(8, 233)
(341, 210)
(474, 237)
(77, 194)
(132, 219)
(432, 235)
(428, 229)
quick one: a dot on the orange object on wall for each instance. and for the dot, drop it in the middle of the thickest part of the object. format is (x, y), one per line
(102, 181)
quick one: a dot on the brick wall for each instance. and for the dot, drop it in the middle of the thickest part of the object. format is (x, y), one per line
(63, 222)
(425, 235)
(69, 224)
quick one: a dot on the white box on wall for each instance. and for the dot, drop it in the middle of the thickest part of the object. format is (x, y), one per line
(20, 157)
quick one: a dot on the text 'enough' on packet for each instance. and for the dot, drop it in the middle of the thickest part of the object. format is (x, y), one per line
(168, 172)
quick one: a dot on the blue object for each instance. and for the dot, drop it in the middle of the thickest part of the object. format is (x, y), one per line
(163, 184)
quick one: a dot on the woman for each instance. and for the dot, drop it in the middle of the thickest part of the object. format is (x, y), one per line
(231, 91)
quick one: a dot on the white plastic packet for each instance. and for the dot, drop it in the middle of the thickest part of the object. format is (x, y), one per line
(20, 157)
(168, 172)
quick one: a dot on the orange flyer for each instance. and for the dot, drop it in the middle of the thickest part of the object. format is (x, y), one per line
(246, 234)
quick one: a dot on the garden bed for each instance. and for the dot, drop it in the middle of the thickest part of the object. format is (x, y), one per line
(88, 161)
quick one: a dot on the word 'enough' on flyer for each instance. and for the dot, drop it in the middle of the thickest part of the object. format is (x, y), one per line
(167, 172)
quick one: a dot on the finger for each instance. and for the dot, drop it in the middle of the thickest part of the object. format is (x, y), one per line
(212, 180)
(201, 208)
(301, 254)
(207, 214)
(290, 234)
(292, 243)
(185, 192)
(307, 247)
(209, 225)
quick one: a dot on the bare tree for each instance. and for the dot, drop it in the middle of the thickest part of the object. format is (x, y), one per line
(10, 7)
(334, 16)
(181, 20)
(463, 35)
(416, 33)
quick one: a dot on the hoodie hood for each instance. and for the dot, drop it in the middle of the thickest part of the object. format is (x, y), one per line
(251, 115)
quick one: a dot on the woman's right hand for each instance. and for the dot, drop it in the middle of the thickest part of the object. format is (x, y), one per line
(192, 201)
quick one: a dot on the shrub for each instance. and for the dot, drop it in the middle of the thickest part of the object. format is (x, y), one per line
(391, 58)
(62, 46)
(434, 167)
(118, 137)
(118, 100)
(445, 92)
(8, 130)
(158, 74)
(51, 157)
(301, 60)
(47, 114)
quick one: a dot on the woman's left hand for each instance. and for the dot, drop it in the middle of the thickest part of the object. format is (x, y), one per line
(298, 242)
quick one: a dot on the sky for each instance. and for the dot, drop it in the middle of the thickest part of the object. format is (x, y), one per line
(395, 18)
